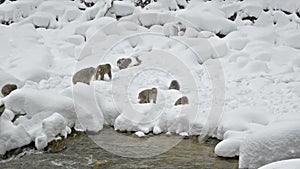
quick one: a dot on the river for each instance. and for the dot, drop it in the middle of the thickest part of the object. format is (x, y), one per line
(80, 151)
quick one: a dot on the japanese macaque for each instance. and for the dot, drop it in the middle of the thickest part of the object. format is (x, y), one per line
(147, 95)
(84, 75)
(124, 63)
(182, 100)
(174, 85)
(102, 70)
(8, 88)
(181, 28)
(174, 29)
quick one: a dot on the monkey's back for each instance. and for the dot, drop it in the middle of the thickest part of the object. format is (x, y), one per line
(83, 75)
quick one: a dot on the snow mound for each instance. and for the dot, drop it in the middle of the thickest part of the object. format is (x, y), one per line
(122, 8)
(279, 143)
(211, 18)
(40, 121)
(288, 164)
(42, 20)
(31, 102)
(12, 136)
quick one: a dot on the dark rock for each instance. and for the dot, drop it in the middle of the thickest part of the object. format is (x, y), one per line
(251, 18)
(220, 35)
(56, 146)
(2, 108)
(233, 17)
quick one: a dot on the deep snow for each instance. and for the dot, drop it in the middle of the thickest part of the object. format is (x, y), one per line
(243, 88)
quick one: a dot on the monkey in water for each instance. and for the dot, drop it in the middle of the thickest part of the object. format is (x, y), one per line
(147, 95)
(182, 100)
(8, 88)
(174, 85)
(84, 75)
(102, 70)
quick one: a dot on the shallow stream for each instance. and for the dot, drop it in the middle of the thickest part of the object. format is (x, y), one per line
(82, 152)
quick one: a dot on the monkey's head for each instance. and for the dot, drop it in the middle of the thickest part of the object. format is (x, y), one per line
(140, 95)
(105, 67)
(174, 82)
(154, 90)
(108, 66)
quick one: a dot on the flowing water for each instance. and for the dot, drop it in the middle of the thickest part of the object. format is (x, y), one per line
(82, 152)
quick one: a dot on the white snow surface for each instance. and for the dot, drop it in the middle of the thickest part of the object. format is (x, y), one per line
(243, 89)
(288, 164)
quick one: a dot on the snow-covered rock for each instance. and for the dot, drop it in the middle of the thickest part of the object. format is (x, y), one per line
(122, 8)
(277, 141)
(288, 164)
(211, 18)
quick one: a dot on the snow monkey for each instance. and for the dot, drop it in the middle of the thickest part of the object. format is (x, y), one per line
(174, 85)
(123, 63)
(182, 100)
(181, 28)
(102, 70)
(8, 88)
(147, 95)
(84, 75)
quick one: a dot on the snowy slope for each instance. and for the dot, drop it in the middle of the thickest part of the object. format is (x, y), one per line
(237, 61)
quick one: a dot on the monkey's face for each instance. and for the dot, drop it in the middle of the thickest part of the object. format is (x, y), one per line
(174, 82)
(142, 95)
(154, 90)
(104, 68)
(108, 67)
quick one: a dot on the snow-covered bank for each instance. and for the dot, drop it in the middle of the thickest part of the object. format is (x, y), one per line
(289, 164)
(255, 42)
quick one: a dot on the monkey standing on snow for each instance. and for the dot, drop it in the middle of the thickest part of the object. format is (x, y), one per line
(174, 29)
(147, 95)
(102, 70)
(8, 88)
(174, 85)
(124, 63)
(84, 75)
(181, 28)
